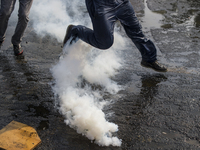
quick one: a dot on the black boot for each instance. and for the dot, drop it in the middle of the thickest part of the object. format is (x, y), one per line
(69, 35)
(154, 65)
(1, 43)
(17, 50)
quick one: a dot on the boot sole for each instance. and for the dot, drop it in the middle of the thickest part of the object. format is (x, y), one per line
(153, 68)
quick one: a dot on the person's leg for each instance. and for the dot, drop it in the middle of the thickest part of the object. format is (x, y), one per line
(23, 13)
(133, 29)
(7, 7)
(103, 25)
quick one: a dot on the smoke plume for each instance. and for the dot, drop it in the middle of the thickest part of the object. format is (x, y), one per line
(82, 74)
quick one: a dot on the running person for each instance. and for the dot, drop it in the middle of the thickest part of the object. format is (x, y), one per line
(7, 7)
(104, 14)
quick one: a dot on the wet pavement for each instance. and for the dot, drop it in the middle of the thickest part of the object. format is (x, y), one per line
(153, 111)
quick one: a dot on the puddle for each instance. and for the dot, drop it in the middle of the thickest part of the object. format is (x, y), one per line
(38, 111)
(44, 124)
(150, 85)
(197, 21)
(175, 135)
(151, 19)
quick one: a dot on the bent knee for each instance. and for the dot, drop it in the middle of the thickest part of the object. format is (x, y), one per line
(106, 44)
(23, 17)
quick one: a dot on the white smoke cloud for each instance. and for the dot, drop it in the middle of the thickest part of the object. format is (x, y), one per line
(82, 105)
(53, 16)
(82, 74)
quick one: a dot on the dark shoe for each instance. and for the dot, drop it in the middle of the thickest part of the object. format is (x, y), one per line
(1, 43)
(69, 36)
(17, 50)
(154, 65)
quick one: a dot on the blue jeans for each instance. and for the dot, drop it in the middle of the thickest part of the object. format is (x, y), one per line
(7, 7)
(104, 15)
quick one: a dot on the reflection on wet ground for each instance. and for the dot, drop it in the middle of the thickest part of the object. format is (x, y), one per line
(170, 14)
(150, 85)
(151, 19)
(197, 21)
(38, 111)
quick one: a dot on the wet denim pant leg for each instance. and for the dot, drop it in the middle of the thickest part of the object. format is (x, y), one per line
(102, 34)
(103, 28)
(133, 29)
(7, 7)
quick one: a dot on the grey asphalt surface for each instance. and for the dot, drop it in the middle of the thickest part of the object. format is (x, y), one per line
(154, 111)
